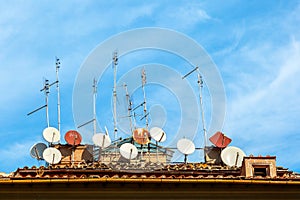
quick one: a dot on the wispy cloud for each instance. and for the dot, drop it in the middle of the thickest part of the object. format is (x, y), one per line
(184, 15)
(265, 111)
(16, 154)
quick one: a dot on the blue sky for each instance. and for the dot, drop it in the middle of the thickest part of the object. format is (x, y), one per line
(255, 46)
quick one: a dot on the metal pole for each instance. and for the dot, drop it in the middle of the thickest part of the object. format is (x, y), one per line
(145, 106)
(58, 94)
(200, 83)
(129, 107)
(46, 99)
(94, 105)
(115, 63)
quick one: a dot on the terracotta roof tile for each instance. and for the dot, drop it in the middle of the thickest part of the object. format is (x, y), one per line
(130, 171)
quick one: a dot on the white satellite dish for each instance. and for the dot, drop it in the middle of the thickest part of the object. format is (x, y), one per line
(36, 151)
(52, 155)
(158, 134)
(232, 156)
(128, 151)
(101, 140)
(51, 134)
(185, 146)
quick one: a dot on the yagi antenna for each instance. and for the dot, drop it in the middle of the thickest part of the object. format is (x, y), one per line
(115, 63)
(46, 90)
(94, 104)
(200, 85)
(189, 73)
(57, 63)
(145, 105)
(138, 106)
(129, 107)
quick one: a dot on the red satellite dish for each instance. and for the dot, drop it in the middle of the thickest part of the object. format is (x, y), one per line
(220, 140)
(141, 136)
(73, 137)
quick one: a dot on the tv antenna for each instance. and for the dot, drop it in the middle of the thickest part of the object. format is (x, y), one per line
(57, 63)
(52, 155)
(129, 107)
(200, 85)
(36, 151)
(144, 93)
(46, 90)
(232, 156)
(134, 114)
(186, 147)
(115, 63)
(94, 104)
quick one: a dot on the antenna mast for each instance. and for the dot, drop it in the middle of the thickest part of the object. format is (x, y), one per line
(94, 105)
(58, 94)
(46, 89)
(129, 106)
(145, 105)
(200, 84)
(115, 63)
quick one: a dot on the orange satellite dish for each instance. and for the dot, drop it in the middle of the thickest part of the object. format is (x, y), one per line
(141, 136)
(73, 137)
(220, 140)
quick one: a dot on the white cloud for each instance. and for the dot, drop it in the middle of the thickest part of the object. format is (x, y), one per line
(182, 16)
(264, 115)
(16, 155)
